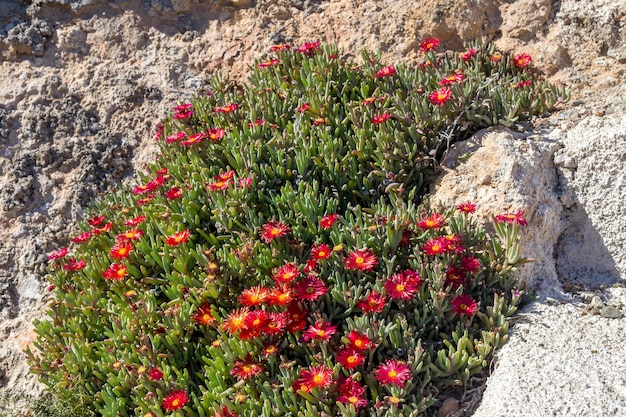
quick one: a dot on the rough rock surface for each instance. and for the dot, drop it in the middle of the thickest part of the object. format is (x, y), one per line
(83, 82)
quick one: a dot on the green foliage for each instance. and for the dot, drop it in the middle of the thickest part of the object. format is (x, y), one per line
(306, 182)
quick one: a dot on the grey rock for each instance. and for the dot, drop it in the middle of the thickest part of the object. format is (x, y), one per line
(610, 312)
(29, 37)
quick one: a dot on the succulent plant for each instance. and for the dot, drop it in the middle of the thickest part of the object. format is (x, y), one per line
(281, 258)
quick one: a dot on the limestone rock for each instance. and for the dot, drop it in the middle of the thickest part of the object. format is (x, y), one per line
(506, 172)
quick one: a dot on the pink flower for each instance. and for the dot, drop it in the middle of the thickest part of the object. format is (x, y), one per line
(512, 218)
(386, 72)
(464, 305)
(376, 120)
(429, 44)
(58, 254)
(441, 96)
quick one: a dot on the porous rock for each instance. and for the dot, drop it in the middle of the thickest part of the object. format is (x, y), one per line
(507, 172)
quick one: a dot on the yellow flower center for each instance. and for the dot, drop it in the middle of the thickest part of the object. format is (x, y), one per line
(206, 317)
(176, 402)
(320, 333)
(318, 379)
(392, 374)
(274, 232)
(351, 359)
(399, 287)
(353, 400)
(358, 343)
(463, 307)
(359, 260)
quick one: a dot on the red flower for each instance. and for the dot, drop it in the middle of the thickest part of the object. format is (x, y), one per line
(121, 250)
(246, 369)
(464, 304)
(392, 372)
(321, 330)
(175, 400)
(466, 207)
(319, 121)
(82, 237)
(351, 392)
(178, 238)
(496, 57)
(133, 234)
(328, 220)
(363, 260)
(115, 272)
(373, 303)
(309, 48)
(176, 137)
(270, 350)
(215, 134)
(146, 200)
(436, 246)
(320, 251)
(286, 273)
(183, 111)
(297, 317)
(256, 320)
(273, 229)
(454, 243)
(304, 107)
(470, 264)
(144, 188)
(155, 374)
(359, 341)
(429, 44)
(280, 296)
(310, 288)
(434, 221)
(350, 358)
(58, 254)
(522, 60)
(135, 221)
(227, 109)
(512, 218)
(280, 47)
(441, 96)
(203, 315)
(455, 277)
(219, 185)
(245, 182)
(376, 120)
(104, 229)
(452, 79)
(469, 54)
(319, 376)
(253, 296)
(195, 138)
(275, 324)
(403, 285)
(386, 72)
(369, 101)
(95, 220)
(74, 265)
(235, 320)
(269, 63)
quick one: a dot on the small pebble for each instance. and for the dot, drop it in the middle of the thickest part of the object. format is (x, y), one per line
(610, 312)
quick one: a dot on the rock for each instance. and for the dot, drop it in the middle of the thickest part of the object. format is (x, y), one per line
(29, 38)
(610, 312)
(521, 177)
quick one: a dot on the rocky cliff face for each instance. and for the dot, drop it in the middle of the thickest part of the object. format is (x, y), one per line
(84, 82)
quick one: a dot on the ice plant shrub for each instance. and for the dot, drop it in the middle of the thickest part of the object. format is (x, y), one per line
(282, 262)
